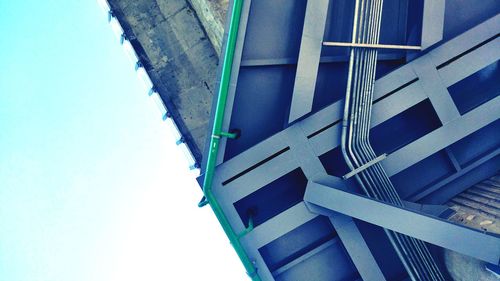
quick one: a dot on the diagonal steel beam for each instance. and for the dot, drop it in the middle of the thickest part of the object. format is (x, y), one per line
(331, 200)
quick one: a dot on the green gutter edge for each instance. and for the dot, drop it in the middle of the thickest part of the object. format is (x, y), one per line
(215, 138)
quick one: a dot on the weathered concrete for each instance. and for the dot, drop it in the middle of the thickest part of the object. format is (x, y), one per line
(182, 63)
(464, 268)
(212, 14)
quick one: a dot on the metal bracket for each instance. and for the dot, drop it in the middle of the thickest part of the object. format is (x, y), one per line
(365, 166)
(203, 202)
(248, 229)
(180, 141)
(226, 135)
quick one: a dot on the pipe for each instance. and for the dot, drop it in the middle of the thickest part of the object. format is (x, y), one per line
(418, 245)
(215, 139)
(346, 120)
(365, 93)
(355, 144)
(419, 249)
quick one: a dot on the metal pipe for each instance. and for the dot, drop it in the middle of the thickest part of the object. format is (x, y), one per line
(346, 122)
(421, 250)
(366, 108)
(359, 110)
(214, 141)
(418, 245)
(368, 79)
(347, 100)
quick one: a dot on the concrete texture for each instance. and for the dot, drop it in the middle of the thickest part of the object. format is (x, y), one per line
(464, 268)
(212, 14)
(174, 48)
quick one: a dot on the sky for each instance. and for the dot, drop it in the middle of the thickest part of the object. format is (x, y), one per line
(92, 185)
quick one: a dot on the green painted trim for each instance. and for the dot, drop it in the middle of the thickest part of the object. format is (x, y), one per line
(214, 141)
(248, 229)
(228, 135)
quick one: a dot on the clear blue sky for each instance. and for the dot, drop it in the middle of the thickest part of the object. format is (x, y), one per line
(92, 186)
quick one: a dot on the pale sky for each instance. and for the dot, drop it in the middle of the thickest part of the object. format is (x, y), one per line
(92, 185)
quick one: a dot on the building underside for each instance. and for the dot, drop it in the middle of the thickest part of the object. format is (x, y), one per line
(359, 139)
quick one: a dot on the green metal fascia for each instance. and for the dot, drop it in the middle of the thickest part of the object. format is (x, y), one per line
(215, 139)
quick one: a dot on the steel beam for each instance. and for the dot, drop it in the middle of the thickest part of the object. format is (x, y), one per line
(305, 256)
(432, 22)
(311, 137)
(429, 190)
(474, 61)
(432, 210)
(442, 137)
(435, 89)
(309, 57)
(449, 59)
(354, 243)
(279, 225)
(430, 229)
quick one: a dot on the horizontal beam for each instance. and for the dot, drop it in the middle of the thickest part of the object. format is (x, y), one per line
(305, 256)
(372, 46)
(439, 139)
(279, 225)
(430, 229)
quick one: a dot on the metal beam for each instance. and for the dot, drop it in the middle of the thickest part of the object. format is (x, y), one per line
(279, 225)
(354, 243)
(429, 190)
(432, 210)
(442, 137)
(430, 229)
(328, 139)
(442, 56)
(437, 92)
(395, 92)
(309, 57)
(474, 61)
(304, 257)
(432, 22)
(465, 41)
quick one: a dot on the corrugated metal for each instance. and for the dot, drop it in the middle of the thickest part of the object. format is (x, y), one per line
(479, 206)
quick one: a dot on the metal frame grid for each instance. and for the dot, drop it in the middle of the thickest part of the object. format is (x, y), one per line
(301, 144)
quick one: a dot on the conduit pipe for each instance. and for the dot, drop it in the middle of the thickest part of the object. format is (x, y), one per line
(356, 148)
(418, 248)
(217, 133)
